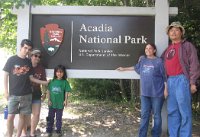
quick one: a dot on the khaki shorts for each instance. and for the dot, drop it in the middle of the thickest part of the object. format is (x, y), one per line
(20, 104)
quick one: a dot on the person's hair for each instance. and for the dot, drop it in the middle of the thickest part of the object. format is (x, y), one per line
(153, 46)
(27, 42)
(36, 51)
(61, 68)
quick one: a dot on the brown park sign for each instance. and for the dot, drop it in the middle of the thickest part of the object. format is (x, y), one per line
(92, 42)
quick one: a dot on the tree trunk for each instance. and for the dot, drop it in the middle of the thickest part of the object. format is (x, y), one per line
(126, 2)
(133, 93)
(121, 85)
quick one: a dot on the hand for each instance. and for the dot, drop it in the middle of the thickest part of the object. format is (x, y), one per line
(165, 90)
(193, 88)
(120, 69)
(47, 82)
(165, 93)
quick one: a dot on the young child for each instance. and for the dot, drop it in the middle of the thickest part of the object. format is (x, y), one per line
(57, 94)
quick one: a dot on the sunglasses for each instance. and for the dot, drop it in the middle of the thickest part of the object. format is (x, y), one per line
(37, 56)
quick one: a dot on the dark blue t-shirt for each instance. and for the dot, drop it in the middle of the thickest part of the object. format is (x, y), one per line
(152, 76)
(19, 71)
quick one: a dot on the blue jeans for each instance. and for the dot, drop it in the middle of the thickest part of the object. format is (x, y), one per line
(179, 107)
(50, 119)
(151, 105)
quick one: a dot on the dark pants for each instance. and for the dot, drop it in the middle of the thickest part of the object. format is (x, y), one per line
(50, 119)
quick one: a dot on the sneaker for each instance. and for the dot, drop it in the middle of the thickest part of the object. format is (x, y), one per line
(33, 136)
(58, 131)
(48, 131)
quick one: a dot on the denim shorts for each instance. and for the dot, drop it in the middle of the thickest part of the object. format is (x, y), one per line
(20, 104)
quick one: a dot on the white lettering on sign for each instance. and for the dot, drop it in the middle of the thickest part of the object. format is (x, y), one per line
(132, 40)
(98, 39)
(100, 28)
(104, 53)
(114, 40)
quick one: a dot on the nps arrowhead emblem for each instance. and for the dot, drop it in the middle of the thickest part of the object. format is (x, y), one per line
(51, 37)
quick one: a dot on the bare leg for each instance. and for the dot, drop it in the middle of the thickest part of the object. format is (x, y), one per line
(35, 117)
(22, 119)
(10, 124)
(26, 125)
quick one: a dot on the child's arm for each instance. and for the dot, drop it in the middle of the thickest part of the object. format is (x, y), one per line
(48, 97)
(66, 99)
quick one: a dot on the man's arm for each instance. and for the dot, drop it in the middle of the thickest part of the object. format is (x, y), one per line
(194, 71)
(6, 94)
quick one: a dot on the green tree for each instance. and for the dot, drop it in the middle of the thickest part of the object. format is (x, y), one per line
(189, 16)
(7, 26)
(8, 21)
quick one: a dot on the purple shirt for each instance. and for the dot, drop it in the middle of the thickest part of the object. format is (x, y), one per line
(152, 76)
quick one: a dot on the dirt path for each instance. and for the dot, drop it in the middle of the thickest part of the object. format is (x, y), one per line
(96, 119)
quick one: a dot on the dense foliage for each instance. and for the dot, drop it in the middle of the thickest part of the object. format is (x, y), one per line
(190, 18)
(95, 88)
(8, 21)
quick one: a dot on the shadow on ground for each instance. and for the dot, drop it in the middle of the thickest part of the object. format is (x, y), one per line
(96, 119)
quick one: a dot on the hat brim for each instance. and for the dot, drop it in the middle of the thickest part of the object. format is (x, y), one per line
(176, 26)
